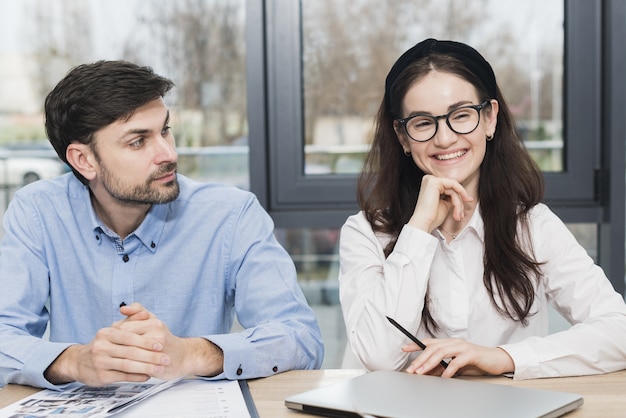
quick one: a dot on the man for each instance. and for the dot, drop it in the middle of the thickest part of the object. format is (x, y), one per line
(140, 270)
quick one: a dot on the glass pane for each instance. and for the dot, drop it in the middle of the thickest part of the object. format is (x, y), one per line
(587, 235)
(315, 253)
(199, 44)
(349, 48)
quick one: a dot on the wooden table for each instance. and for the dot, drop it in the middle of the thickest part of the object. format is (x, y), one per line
(604, 395)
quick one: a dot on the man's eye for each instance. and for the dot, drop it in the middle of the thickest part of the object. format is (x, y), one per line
(137, 143)
(166, 130)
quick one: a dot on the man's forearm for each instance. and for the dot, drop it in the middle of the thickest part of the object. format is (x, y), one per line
(204, 358)
(58, 372)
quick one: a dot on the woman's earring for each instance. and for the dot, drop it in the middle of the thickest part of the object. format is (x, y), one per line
(407, 152)
(489, 137)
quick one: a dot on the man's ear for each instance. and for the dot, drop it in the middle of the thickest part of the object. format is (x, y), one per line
(81, 158)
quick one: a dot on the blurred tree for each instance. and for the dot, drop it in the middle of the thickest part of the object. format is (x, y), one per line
(197, 43)
(349, 47)
(201, 44)
(60, 37)
(347, 53)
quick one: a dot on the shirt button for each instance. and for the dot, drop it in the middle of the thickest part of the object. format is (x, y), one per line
(275, 369)
(239, 371)
(125, 258)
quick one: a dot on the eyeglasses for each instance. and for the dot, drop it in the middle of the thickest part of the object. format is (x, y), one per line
(462, 120)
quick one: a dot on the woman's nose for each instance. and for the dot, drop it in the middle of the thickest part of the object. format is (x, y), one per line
(444, 135)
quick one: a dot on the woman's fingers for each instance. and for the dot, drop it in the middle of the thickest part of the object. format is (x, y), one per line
(437, 197)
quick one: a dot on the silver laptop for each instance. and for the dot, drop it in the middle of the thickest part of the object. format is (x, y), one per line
(398, 395)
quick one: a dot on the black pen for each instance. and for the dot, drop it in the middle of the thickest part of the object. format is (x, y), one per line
(413, 338)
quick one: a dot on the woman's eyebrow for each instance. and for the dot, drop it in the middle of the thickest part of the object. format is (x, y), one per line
(451, 107)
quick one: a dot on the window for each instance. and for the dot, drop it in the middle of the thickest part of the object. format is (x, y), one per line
(318, 124)
(200, 45)
(301, 187)
(309, 80)
(347, 52)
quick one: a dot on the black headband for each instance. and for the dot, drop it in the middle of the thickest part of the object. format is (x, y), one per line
(464, 53)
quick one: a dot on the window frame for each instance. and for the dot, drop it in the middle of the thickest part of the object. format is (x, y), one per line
(590, 189)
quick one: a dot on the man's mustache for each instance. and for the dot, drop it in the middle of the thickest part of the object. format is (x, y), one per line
(163, 170)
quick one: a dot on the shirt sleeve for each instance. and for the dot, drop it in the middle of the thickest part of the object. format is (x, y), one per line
(280, 329)
(24, 354)
(579, 290)
(373, 287)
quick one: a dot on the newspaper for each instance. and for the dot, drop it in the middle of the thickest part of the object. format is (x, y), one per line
(85, 401)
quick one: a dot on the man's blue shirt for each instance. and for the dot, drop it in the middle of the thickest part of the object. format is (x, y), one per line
(195, 263)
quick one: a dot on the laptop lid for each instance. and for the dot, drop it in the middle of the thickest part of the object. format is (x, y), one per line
(397, 395)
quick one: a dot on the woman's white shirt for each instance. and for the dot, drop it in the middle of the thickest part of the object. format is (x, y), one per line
(372, 287)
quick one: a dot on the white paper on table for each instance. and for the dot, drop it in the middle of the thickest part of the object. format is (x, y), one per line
(194, 398)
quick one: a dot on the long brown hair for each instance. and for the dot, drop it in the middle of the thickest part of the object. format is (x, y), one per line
(510, 185)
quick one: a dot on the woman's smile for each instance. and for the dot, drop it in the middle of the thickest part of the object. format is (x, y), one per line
(450, 155)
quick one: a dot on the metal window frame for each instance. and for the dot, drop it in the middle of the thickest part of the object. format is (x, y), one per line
(589, 190)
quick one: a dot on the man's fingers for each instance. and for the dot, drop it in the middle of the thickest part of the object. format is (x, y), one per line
(119, 346)
(126, 338)
(136, 311)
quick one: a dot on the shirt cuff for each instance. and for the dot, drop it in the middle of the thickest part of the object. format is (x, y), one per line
(38, 362)
(239, 358)
(415, 243)
(525, 360)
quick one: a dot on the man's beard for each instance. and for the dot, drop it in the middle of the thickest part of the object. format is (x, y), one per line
(143, 193)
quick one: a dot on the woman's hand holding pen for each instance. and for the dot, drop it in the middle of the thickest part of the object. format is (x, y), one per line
(465, 358)
(437, 197)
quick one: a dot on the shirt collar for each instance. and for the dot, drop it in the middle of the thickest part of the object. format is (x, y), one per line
(149, 232)
(151, 229)
(475, 224)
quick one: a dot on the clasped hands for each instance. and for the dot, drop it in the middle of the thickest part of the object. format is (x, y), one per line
(135, 349)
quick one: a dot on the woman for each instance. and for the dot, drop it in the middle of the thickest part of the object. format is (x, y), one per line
(453, 243)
